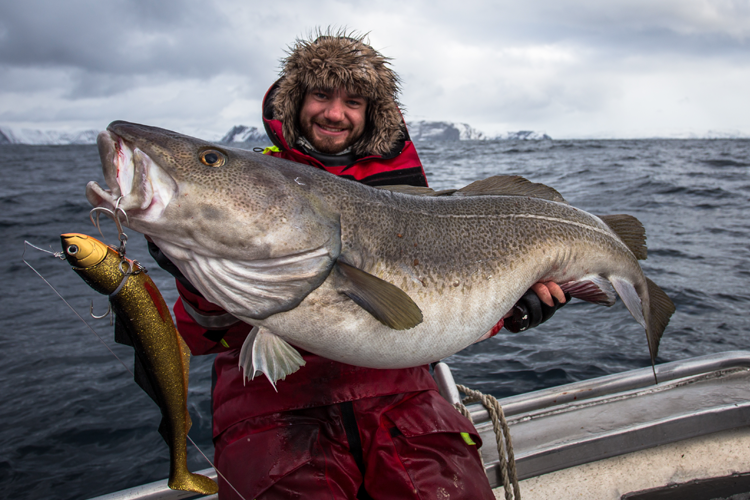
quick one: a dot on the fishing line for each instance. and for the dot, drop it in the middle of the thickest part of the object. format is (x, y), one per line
(61, 256)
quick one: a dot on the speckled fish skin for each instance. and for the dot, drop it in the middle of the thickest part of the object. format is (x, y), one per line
(260, 236)
(161, 351)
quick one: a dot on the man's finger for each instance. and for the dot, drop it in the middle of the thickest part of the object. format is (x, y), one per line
(556, 291)
(541, 290)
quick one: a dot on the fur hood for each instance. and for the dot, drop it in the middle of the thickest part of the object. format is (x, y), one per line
(339, 60)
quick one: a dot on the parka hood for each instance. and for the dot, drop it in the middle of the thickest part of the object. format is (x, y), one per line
(332, 61)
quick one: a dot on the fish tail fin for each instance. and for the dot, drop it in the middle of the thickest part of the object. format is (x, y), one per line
(630, 231)
(661, 309)
(185, 480)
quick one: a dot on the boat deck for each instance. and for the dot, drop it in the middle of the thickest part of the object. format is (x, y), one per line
(700, 408)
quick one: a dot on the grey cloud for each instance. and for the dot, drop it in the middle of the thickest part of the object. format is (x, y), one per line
(691, 27)
(125, 37)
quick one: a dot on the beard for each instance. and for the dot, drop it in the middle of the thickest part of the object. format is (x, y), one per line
(328, 145)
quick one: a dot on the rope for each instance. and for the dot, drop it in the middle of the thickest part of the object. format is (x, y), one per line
(502, 436)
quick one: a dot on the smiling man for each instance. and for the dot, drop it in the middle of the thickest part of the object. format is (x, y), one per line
(334, 430)
(335, 107)
(332, 119)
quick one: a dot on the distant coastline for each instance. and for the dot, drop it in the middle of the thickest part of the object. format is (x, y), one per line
(419, 131)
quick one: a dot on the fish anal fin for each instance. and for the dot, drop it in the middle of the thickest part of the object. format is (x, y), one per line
(661, 309)
(385, 302)
(269, 354)
(510, 185)
(630, 231)
(595, 289)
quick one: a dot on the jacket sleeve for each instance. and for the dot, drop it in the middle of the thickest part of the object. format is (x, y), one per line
(206, 327)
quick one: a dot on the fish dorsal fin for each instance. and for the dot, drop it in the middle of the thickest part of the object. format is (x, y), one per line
(510, 185)
(630, 231)
(386, 302)
(416, 190)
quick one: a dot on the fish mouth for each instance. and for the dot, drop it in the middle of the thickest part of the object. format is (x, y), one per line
(137, 185)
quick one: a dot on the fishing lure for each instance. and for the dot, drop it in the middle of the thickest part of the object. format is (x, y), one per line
(142, 320)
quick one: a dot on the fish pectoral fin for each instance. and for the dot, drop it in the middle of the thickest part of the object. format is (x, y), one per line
(386, 302)
(595, 289)
(264, 352)
(630, 231)
(510, 185)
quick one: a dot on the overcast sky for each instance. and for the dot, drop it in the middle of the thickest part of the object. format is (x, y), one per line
(578, 68)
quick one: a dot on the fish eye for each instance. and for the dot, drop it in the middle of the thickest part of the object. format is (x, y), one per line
(213, 158)
(72, 249)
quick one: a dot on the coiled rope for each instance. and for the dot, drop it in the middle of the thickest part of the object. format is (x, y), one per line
(502, 436)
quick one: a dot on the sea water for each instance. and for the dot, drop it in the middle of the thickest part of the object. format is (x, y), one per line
(75, 425)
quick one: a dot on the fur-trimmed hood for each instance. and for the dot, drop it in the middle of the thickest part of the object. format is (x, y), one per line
(339, 60)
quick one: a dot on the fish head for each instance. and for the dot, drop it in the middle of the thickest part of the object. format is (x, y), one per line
(82, 251)
(194, 196)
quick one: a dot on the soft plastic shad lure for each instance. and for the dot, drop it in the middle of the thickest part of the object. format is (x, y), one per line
(162, 360)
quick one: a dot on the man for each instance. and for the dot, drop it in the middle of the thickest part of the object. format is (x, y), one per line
(334, 430)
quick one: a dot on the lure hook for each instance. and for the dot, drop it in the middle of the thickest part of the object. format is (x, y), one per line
(115, 216)
(108, 313)
(97, 211)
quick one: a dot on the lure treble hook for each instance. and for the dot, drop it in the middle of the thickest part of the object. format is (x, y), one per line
(108, 313)
(115, 216)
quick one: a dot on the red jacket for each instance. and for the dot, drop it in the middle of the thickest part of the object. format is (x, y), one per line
(321, 381)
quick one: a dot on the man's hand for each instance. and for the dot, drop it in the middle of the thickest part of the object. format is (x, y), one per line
(536, 306)
(545, 292)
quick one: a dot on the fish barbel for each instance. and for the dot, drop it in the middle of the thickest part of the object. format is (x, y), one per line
(162, 360)
(381, 278)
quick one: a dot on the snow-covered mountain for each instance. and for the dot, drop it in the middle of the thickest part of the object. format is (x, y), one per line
(46, 137)
(242, 134)
(424, 130)
(523, 135)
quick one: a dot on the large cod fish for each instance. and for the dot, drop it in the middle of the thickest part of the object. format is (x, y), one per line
(381, 278)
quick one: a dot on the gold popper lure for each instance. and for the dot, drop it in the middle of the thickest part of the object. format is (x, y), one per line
(162, 359)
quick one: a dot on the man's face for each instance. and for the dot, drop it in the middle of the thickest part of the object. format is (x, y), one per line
(332, 120)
